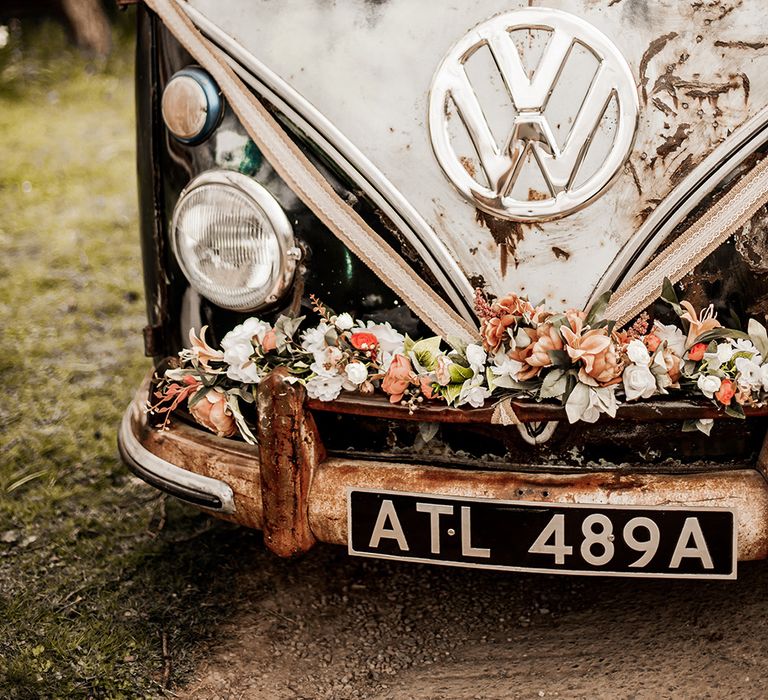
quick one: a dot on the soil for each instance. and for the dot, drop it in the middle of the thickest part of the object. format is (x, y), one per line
(333, 626)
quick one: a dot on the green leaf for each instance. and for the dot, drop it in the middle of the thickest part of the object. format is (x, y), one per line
(240, 421)
(560, 358)
(735, 411)
(598, 308)
(720, 333)
(554, 385)
(458, 345)
(426, 352)
(459, 374)
(202, 391)
(669, 295)
(451, 392)
(758, 336)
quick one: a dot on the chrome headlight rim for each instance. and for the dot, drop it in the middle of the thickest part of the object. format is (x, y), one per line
(270, 208)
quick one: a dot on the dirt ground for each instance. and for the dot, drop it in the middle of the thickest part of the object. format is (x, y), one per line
(333, 626)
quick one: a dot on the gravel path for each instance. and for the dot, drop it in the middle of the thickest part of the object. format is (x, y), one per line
(332, 626)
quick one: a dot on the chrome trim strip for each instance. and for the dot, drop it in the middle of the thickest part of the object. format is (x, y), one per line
(697, 185)
(185, 485)
(349, 159)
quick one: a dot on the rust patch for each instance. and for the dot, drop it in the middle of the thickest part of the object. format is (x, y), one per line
(536, 196)
(560, 254)
(753, 45)
(633, 172)
(663, 107)
(469, 166)
(683, 169)
(477, 281)
(654, 48)
(507, 235)
(674, 141)
(697, 89)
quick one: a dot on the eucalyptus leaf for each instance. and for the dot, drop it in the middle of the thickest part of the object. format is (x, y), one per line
(560, 358)
(720, 333)
(554, 384)
(597, 309)
(758, 336)
(669, 295)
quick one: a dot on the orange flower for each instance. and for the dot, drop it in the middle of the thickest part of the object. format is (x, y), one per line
(364, 341)
(595, 349)
(513, 304)
(725, 392)
(270, 340)
(696, 353)
(212, 412)
(508, 311)
(672, 363)
(426, 387)
(545, 338)
(398, 378)
(698, 325)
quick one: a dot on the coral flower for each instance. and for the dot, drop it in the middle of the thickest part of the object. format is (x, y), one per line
(698, 324)
(547, 338)
(696, 353)
(725, 393)
(398, 378)
(364, 341)
(652, 342)
(507, 312)
(212, 412)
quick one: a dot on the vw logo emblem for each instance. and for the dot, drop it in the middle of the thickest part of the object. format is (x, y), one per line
(578, 152)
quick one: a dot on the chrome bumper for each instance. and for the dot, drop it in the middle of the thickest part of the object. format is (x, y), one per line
(288, 488)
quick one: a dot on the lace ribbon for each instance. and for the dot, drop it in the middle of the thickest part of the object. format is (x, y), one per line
(310, 186)
(701, 239)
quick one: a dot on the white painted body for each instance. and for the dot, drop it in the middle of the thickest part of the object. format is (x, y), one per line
(368, 65)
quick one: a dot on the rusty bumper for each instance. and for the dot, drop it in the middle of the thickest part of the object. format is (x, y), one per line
(289, 489)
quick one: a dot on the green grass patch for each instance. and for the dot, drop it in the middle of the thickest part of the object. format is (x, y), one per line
(102, 592)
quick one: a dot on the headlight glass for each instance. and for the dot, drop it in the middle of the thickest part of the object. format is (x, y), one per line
(233, 241)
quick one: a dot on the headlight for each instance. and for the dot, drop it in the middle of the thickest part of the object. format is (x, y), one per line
(233, 241)
(191, 105)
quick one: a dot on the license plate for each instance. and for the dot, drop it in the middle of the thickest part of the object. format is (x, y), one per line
(663, 541)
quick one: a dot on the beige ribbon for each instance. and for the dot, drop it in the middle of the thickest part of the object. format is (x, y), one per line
(311, 187)
(713, 228)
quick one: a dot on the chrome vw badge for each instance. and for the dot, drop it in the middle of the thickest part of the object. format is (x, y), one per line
(532, 114)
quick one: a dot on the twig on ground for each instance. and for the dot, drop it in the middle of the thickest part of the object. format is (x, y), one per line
(163, 519)
(166, 660)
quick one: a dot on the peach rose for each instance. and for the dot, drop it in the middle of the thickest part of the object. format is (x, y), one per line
(672, 363)
(605, 368)
(426, 387)
(212, 412)
(508, 311)
(698, 325)
(513, 304)
(270, 340)
(594, 348)
(536, 356)
(652, 342)
(696, 353)
(398, 378)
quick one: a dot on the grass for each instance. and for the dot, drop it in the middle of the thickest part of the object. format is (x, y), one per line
(104, 589)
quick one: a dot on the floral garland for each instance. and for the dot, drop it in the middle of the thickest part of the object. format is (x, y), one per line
(526, 351)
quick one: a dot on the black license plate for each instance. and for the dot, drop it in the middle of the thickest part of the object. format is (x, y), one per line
(662, 541)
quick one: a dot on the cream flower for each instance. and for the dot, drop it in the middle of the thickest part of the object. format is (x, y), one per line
(238, 348)
(356, 372)
(325, 388)
(708, 384)
(672, 335)
(344, 322)
(639, 382)
(476, 357)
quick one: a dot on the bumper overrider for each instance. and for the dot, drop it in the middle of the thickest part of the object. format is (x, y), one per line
(288, 487)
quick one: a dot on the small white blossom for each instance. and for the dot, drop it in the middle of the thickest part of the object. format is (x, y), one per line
(722, 355)
(390, 341)
(344, 322)
(476, 357)
(639, 382)
(638, 353)
(356, 372)
(708, 384)
(325, 388)
(313, 339)
(749, 376)
(673, 336)
(504, 366)
(473, 393)
(326, 362)
(587, 403)
(745, 345)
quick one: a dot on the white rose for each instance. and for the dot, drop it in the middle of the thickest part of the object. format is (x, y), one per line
(356, 372)
(324, 388)
(764, 376)
(476, 357)
(344, 322)
(708, 384)
(638, 353)
(672, 335)
(587, 403)
(238, 348)
(639, 382)
(313, 339)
